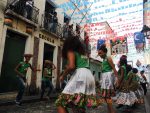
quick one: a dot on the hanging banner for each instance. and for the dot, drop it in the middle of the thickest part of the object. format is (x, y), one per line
(99, 43)
(119, 45)
(139, 41)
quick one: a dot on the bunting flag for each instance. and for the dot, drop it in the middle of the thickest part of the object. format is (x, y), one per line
(124, 18)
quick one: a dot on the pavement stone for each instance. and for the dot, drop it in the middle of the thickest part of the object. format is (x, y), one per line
(147, 101)
(8, 98)
(49, 107)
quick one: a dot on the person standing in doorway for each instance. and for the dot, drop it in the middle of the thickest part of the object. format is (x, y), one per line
(106, 81)
(47, 78)
(21, 70)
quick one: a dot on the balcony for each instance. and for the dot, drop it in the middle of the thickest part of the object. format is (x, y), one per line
(48, 25)
(57, 29)
(24, 10)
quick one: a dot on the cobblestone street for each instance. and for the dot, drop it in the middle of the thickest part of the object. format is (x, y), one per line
(49, 107)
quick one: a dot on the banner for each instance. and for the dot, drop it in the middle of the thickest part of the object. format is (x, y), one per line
(139, 41)
(99, 43)
(119, 45)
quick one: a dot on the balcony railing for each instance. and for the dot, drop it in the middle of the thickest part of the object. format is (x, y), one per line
(22, 8)
(48, 25)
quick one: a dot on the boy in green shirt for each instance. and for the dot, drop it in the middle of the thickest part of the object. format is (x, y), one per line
(21, 70)
(47, 76)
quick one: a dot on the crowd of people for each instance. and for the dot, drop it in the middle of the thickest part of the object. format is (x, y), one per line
(124, 87)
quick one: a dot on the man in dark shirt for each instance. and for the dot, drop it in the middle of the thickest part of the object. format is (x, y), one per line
(55, 22)
(18, 6)
(29, 8)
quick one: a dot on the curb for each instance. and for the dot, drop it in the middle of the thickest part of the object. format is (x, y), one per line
(147, 106)
(25, 100)
(147, 101)
(29, 99)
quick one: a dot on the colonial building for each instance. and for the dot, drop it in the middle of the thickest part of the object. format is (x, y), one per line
(35, 27)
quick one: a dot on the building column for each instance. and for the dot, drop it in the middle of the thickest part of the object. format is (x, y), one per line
(59, 60)
(32, 88)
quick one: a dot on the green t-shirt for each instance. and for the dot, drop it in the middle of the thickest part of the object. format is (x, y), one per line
(49, 74)
(106, 67)
(125, 72)
(23, 67)
(81, 61)
(133, 76)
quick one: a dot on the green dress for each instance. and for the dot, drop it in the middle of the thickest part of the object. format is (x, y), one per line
(70, 97)
(106, 67)
(124, 84)
(81, 61)
(106, 87)
(134, 85)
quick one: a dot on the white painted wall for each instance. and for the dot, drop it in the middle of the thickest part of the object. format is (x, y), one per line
(28, 48)
(2, 45)
(40, 63)
(2, 30)
(40, 4)
(95, 67)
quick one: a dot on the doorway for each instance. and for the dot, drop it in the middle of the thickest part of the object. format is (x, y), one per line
(13, 54)
(48, 53)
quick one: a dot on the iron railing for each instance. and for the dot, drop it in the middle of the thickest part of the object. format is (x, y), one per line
(50, 26)
(64, 31)
(26, 10)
